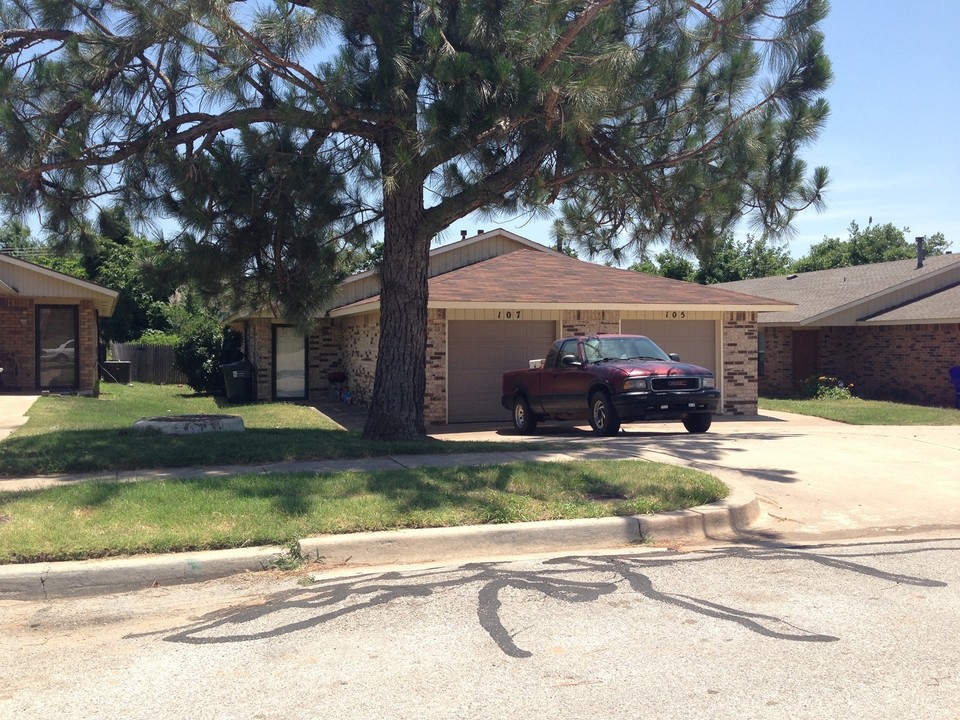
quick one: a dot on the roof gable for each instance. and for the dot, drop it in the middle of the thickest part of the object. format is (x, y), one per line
(25, 279)
(443, 259)
(845, 296)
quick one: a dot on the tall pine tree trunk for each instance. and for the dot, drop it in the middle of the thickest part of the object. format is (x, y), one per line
(396, 409)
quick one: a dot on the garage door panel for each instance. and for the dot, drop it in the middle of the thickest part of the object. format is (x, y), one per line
(479, 352)
(693, 340)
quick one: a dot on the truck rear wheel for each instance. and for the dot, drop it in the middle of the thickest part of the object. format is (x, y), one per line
(524, 421)
(603, 415)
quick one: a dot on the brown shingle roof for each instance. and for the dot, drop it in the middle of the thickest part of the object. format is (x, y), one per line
(537, 279)
(818, 294)
(941, 307)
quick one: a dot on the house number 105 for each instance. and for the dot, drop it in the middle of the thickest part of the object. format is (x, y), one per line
(675, 314)
(508, 314)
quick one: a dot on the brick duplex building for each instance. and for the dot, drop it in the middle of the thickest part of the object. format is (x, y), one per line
(892, 329)
(497, 300)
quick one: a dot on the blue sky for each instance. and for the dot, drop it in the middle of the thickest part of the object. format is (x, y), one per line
(892, 142)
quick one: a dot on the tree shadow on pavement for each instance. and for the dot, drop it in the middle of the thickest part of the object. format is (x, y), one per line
(574, 579)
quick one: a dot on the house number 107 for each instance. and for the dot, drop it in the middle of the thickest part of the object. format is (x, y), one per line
(508, 314)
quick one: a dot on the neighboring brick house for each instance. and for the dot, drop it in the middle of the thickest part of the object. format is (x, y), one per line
(497, 300)
(892, 329)
(49, 329)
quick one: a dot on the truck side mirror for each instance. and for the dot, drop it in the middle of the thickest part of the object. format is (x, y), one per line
(570, 361)
(674, 357)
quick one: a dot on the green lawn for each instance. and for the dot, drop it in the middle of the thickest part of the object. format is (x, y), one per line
(77, 434)
(855, 411)
(100, 519)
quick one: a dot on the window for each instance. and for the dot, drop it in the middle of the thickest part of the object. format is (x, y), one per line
(761, 352)
(569, 347)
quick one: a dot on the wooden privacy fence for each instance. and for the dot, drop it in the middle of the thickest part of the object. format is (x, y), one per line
(148, 363)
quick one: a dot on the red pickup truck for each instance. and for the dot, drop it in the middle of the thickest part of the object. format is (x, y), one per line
(609, 380)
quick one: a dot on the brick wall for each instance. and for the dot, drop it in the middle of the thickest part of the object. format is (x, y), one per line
(89, 380)
(360, 335)
(740, 363)
(323, 358)
(777, 379)
(905, 363)
(19, 341)
(587, 322)
(435, 402)
(258, 347)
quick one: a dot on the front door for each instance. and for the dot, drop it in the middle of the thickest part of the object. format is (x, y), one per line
(58, 352)
(806, 355)
(289, 363)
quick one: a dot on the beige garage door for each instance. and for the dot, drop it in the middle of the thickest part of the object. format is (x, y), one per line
(695, 341)
(479, 351)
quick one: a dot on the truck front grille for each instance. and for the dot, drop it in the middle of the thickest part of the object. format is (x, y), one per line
(675, 384)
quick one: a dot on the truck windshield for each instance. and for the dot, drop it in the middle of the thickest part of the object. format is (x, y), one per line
(622, 348)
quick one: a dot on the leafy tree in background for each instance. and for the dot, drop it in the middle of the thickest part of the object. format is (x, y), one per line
(116, 259)
(662, 119)
(15, 238)
(728, 260)
(669, 264)
(875, 243)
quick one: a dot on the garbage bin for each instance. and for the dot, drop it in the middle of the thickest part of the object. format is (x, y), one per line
(238, 380)
(955, 379)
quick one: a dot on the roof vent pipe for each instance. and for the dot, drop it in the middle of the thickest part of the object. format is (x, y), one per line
(463, 234)
(920, 251)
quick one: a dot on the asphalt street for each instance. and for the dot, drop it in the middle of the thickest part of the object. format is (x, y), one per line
(840, 601)
(863, 630)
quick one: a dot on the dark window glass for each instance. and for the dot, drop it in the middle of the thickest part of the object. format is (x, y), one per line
(57, 351)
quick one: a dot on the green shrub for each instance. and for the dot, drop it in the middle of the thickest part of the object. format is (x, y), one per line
(203, 348)
(157, 337)
(825, 387)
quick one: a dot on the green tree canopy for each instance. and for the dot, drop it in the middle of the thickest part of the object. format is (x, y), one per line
(668, 263)
(873, 244)
(727, 260)
(665, 119)
(15, 237)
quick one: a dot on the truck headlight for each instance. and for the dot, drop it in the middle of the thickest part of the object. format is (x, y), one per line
(633, 384)
(708, 382)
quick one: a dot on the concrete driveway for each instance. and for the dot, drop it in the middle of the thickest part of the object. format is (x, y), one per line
(815, 479)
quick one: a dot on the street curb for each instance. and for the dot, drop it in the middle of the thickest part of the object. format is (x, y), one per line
(717, 521)
(455, 543)
(46, 581)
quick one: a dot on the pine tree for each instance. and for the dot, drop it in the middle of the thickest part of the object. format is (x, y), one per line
(646, 118)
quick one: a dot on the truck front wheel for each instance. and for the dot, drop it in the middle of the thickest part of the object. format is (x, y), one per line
(524, 421)
(698, 422)
(603, 415)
